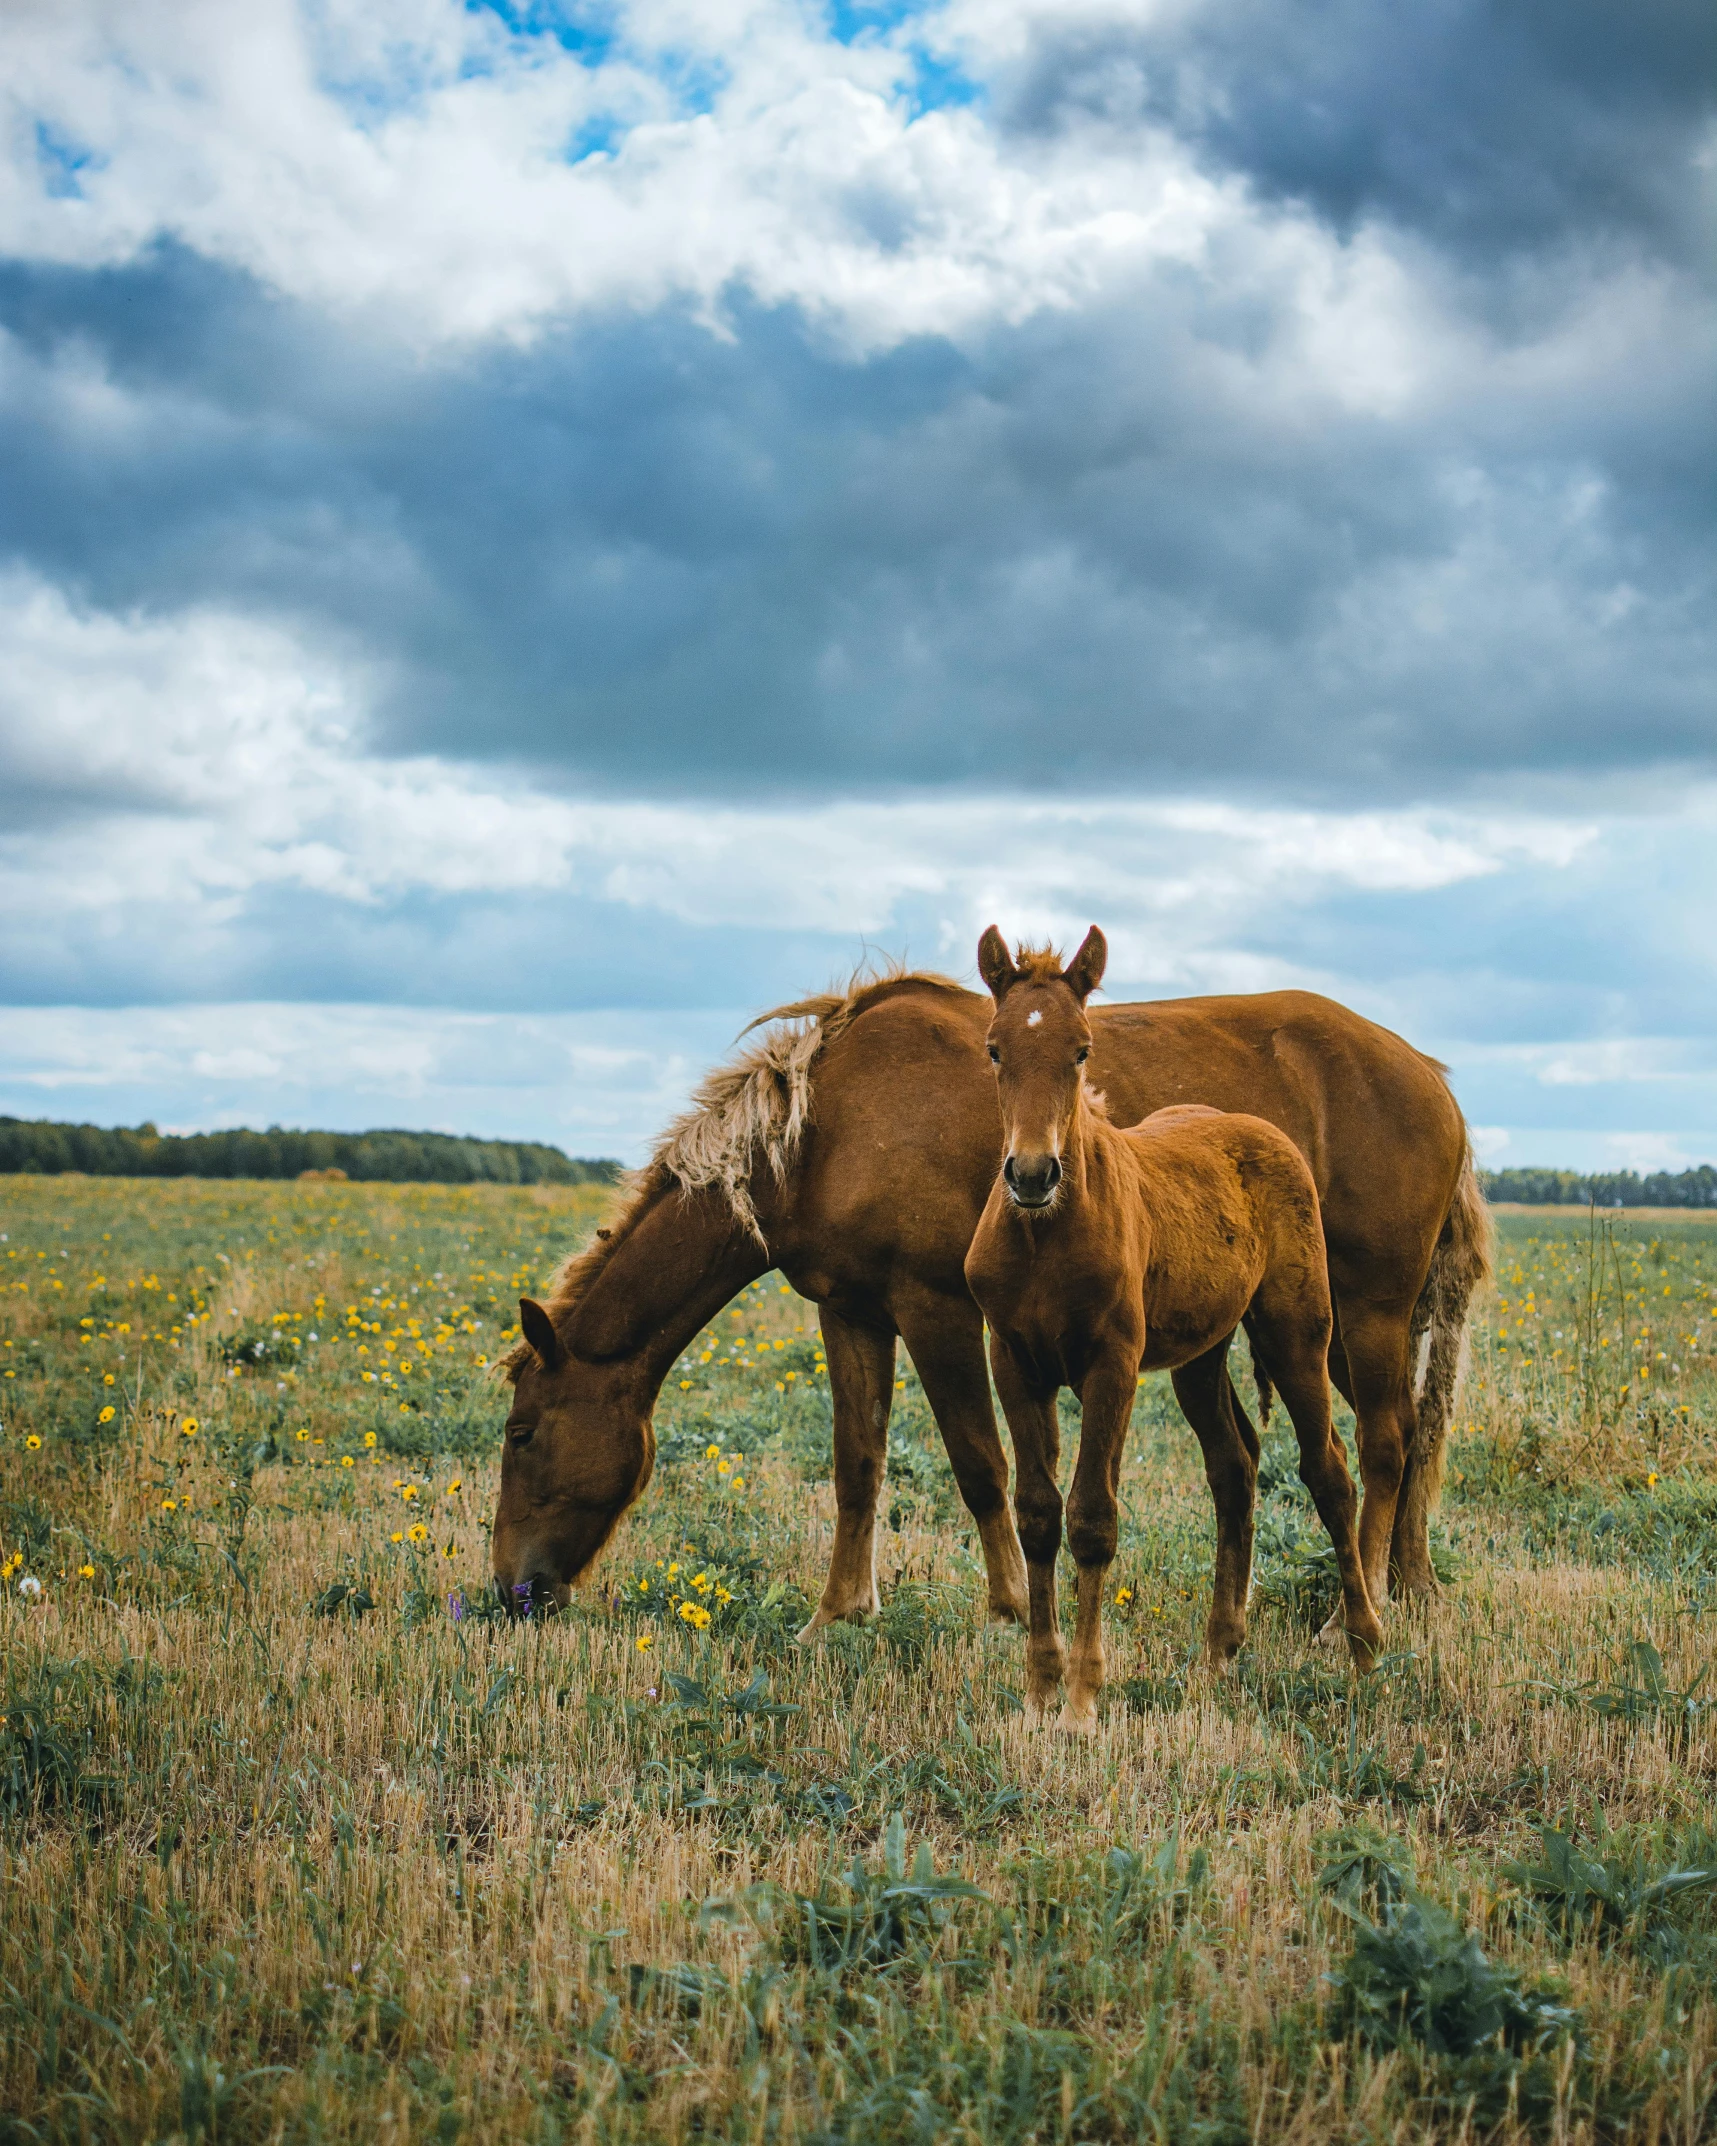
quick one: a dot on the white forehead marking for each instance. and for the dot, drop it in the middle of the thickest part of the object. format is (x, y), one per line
(1032, 1019)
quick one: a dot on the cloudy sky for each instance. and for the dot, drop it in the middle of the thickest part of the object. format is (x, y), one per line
(530, 531)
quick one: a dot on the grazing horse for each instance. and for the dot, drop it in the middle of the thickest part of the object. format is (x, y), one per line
(1103, 1253)
(853, 1145)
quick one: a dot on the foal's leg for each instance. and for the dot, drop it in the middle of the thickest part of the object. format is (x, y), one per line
(861, 1387)
(1036, 1431)
(1209, 1403)
(1092, 1513)
(1294, 1349)
(946, 1342)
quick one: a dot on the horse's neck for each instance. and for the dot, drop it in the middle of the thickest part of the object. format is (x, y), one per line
(679, 1262)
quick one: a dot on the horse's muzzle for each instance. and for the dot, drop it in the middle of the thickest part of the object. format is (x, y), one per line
(1032, 1181)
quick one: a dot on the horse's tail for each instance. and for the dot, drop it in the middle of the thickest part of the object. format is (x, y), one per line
(1461, 1261)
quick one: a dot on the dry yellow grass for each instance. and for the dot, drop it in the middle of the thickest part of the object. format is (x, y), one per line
(276, 1865)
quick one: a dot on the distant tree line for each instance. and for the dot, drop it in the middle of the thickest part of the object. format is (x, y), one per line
(38, 1144)
(1609, 1188)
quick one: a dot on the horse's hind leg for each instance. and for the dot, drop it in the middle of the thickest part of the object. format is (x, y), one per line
(1294, 1347)
(946, 1342)
(1209, 1403)
(861, 1387)
(1375, 1341)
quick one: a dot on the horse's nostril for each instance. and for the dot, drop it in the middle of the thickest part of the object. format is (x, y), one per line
(1052, 1176)
(1008, 1169)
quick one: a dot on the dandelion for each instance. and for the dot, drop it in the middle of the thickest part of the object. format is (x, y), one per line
(739, 1482)
(1123, 1595)
(724, 1467)
(418, 1532)
(685, 1385)
(169, 1505)
(108, 1413)
(712, 1452)
(107, 1378)
(346, 1461)
(398, 1535)
(409, 1492)
(1651, 1479)
(33, 1443)
(190, 1426)
(86, 1572)
(646, 1641)
(369, 1438)
(303, 1437)
(29, 1585)
(457, 1483)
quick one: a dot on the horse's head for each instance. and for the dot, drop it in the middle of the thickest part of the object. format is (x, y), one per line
(579, 1450)
(1039, 1041)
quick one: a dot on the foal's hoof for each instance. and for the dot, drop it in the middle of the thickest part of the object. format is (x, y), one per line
(822, 1620)
(1072, 1721)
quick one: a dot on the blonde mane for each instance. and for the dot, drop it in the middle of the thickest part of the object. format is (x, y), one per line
(748, 1114)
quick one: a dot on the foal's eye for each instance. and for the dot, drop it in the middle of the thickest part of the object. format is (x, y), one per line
(995, 1056)
(1080, 1056)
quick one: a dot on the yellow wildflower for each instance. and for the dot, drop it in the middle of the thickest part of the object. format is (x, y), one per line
(32, 1442)
(107, 1415)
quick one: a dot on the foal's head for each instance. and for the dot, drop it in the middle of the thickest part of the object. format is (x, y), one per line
(1039, 1042)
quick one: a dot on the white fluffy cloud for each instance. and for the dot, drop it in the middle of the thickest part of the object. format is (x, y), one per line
(421, 162)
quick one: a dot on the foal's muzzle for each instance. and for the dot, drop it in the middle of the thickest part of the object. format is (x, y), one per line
(1031, 1183)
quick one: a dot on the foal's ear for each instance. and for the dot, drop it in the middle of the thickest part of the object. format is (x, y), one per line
(538, 1329)
(995, 963)
(1085, 971)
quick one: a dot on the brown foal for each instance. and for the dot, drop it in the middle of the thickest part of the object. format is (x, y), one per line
(1104, 1253)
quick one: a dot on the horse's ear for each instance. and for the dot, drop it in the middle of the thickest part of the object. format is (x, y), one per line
(1085, 971)
(538, 1329)
(995, 964)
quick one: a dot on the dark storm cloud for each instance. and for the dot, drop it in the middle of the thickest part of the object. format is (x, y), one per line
(1104, 546)
(1488, 125)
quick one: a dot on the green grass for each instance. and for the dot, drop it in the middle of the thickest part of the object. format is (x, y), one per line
(298, 1843)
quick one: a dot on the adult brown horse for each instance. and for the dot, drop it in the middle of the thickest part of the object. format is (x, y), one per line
(853, 1146)
(1102, 1253)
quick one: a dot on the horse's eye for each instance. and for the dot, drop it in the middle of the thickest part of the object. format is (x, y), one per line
(995, 1056)
(520, 1434)
(1080, 1056)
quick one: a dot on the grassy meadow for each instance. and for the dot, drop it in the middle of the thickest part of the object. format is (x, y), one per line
(299, 1843)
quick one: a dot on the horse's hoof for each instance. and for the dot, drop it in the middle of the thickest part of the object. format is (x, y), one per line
(1010, 1613)
(808, 1632)
(1082, 1722)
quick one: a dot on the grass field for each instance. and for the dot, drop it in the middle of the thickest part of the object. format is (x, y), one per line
(297, 1843)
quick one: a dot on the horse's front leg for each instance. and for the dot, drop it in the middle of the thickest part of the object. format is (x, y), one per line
(1093, 1513)
(1036, 1433)
(945, 1340)
(861, 1389)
